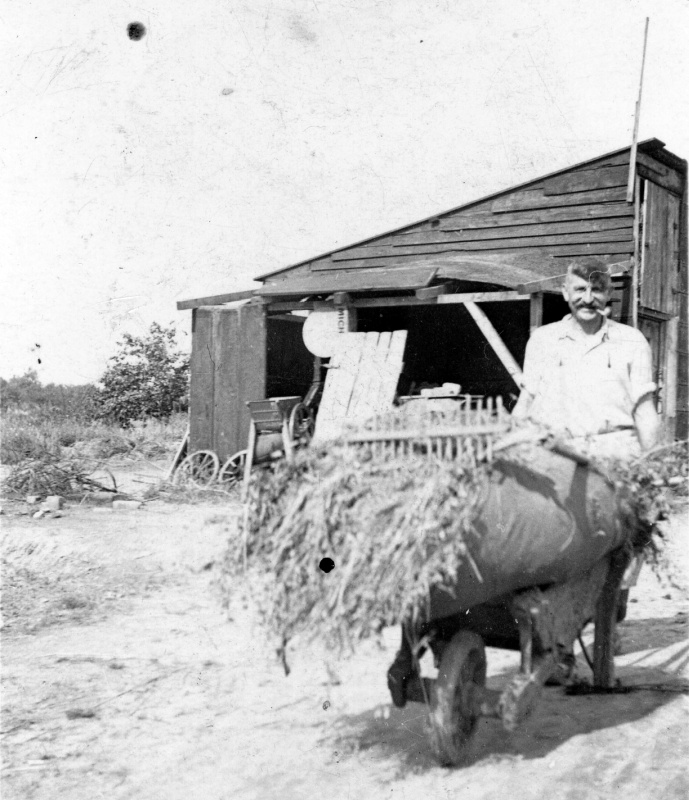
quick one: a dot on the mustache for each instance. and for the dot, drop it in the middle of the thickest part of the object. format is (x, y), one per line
(603, 311)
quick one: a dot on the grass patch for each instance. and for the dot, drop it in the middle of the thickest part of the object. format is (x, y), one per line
(32, 435)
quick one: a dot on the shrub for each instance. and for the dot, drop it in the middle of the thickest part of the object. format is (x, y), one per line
(17, 445)
(148, 377)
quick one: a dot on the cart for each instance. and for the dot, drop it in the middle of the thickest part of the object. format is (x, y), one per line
(552, 541)
(278, 426)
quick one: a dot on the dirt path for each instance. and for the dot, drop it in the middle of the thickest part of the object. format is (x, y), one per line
(133, 684)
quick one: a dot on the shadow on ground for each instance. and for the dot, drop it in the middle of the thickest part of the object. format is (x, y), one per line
(655, 678)
(646, 634)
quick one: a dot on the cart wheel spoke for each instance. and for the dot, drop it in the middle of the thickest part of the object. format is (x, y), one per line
(232, 470)
(199, 468)
(301, 424)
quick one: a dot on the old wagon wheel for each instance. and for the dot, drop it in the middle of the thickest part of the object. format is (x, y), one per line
(232, 470)
(200, 468)
(301, 424)
(461, 677)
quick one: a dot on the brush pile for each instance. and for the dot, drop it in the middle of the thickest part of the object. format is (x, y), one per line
(50, 474)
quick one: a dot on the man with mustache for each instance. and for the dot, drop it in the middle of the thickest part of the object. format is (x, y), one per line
(590, 381)
(587, 378)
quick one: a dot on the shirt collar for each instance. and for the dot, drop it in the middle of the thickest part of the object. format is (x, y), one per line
(571, 331)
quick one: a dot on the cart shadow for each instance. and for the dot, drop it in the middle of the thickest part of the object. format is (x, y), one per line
(402, 737)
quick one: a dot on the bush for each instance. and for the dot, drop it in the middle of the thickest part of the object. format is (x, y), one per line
(18, 445)
(148, 377)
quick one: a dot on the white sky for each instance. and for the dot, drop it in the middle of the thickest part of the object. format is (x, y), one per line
(130, 180)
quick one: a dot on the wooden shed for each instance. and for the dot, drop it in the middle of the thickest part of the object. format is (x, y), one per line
(495, 264)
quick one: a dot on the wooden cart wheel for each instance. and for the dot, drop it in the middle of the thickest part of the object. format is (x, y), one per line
(200, 468)
(461, 677)
(301, 424)
(232, 470)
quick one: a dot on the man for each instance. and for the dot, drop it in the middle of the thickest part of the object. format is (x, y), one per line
(588, 378)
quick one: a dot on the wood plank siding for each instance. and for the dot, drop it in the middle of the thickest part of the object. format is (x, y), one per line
(682, 402)
(578, 213)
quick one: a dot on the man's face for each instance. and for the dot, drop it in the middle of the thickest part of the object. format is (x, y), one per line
(586, 299)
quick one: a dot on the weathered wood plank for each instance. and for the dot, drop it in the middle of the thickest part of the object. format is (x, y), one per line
(290, 305)
(480, 297)
(658, 173)
(431, 292)
(528, 216)
(202, 381)
(587, 180)
(535, 311)
(228, 368)
(390, 372)
(661, 249)
(583, 226)
(214, 300)
(494, 339)
(446, 299)
(624, 235)
(682, 427)
(250, 350)
(669, 390)
(361, 404)
(361, 281)
(480, 266)
(536, 198)
(339, 384)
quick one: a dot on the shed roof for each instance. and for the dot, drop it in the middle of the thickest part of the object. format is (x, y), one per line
(478, 267)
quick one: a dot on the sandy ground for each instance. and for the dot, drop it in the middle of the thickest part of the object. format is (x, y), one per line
(124, 678)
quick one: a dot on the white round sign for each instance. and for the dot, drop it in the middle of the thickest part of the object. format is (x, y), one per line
(322, 329)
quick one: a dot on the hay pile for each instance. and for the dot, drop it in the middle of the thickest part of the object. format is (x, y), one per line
(394, 528)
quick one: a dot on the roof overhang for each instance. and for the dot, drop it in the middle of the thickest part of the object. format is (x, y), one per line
(504, 270)
(358, 280)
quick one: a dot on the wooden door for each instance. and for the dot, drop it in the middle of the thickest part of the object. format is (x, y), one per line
(660, 261)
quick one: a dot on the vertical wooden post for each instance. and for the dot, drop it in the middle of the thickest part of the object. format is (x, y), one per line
(286, 439)
(635, 136)
(670, 383)
(639, 237)
(535, 311)
(250, 454)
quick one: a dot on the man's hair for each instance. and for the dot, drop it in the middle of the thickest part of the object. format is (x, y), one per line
(593, 270)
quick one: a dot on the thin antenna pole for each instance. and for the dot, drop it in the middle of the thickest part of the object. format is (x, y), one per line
(632, 155)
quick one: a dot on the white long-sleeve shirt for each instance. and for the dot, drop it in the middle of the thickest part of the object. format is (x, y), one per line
(582, 384)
